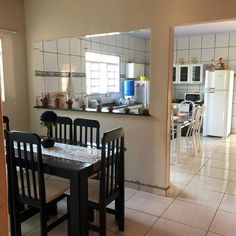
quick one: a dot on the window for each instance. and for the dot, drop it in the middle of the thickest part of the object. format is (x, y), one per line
(102, 73)
(1, 73)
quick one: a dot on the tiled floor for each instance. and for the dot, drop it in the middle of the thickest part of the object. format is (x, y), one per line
(202, 199)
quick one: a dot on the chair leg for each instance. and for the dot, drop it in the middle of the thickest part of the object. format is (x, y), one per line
(120, 211)
(91, 214)
(43, 223)
(53, 209)
(68, 220)
(102, 220)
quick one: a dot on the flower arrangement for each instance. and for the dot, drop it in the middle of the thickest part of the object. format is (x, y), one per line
(48, 119)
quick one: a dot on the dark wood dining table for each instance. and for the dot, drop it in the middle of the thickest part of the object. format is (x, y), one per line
(77, 172)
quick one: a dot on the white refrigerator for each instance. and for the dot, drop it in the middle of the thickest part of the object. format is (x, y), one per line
(218, 99)
(141, 92)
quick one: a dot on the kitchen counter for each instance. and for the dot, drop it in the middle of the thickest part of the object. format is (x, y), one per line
(117, 111)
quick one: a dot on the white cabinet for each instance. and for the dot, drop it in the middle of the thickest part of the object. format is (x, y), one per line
(188, 74)
(134, 70)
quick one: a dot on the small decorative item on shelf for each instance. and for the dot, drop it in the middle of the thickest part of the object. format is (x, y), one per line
(192, 60)
(45, 101)
(180, 60)
(83, 107)
(143, 111)
(219, 65)
(69, 103)
(98, 108)
(48, 119)
(126, 110)
(57, 102)
(110, 109)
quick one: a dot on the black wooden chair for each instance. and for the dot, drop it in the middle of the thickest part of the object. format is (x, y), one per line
(86, 133)
(62, 132)
(110, 185)
(6, 123)
(27, 184)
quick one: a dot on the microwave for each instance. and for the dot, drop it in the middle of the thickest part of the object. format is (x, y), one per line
(194, 97)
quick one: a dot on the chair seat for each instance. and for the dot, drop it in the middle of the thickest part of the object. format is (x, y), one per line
(53, 189)
(93, 190)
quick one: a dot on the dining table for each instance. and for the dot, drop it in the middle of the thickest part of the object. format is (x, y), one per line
(181, 120)
(75, 163)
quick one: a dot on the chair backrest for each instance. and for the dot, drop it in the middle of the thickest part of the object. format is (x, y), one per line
(62, 132)
(86, 132)
(6, 123)
(112, 163)
(186, 105)
(26, 168)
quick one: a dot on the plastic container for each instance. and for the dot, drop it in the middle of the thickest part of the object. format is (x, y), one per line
(129, 87)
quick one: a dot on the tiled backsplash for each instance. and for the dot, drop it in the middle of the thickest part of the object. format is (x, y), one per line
(55, 59)
(205, 48)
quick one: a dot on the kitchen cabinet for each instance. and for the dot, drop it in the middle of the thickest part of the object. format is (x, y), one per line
(134, 70)
(188, 74)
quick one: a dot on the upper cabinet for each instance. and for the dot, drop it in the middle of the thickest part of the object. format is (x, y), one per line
(188, 74)
(134, 70)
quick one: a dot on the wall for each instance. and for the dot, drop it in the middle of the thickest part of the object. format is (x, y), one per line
(68, 54)
(147, 139)
(205, 48)
(14, 61)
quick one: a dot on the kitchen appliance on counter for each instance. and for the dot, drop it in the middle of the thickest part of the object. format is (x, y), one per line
(141, 92)
(218, 101)
(197, 98)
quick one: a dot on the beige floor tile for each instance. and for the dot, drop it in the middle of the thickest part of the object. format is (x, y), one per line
(209, 183)
(212, 234)
(224, 224)
(201, 196)
(165, 227)
(228, 203)
(148, 203)
(234, 176)
(219, 155)
(216, 172)
(191, 214)
(180, 177)
(231, 150)
(174, 190)
(228, 165)
(231, 189)
(136, 223)
(129, 192)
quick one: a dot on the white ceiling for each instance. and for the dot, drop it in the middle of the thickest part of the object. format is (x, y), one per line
(206, 28)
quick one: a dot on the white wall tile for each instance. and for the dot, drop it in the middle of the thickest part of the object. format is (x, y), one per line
(195, 53)
(182, 54)
(143, 45)
(148, 45)
(232, 39)
(232, 66)
(147, 56)
(50, 62)
(63, 46)
(38, 85)
(63, 63)
(208, 41)
(103, 48)
(75, 46)
(222, 40)
(75, 64)
(104, 40)
(207, 54)
(131, 42)
(137, 44)
(131, 55)
(125, 55)
(63, 84)
(38, 60)
(183, 43)
(95, 46)
(179, 94)
(76, 84)
(50, 46)
(174, 56)
(125, 39)
(118, 40)
(195, 42)
(51, 84)
(38, 45)
(95, 39)
(232, 53)
(175, 43)
(221, 52)
(85, 45)
(112, 40)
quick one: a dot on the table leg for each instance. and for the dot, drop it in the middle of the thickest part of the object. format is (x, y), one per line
(79, 204)
(178, 143)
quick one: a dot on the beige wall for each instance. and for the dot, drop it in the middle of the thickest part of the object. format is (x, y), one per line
(146, 137)
(14, 59)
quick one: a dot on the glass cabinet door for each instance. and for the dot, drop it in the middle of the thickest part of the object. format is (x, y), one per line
(184, 74)
(174, 74)
(196, 73)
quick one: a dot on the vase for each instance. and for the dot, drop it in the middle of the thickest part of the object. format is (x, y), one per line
(48, 142)
(69, 103)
